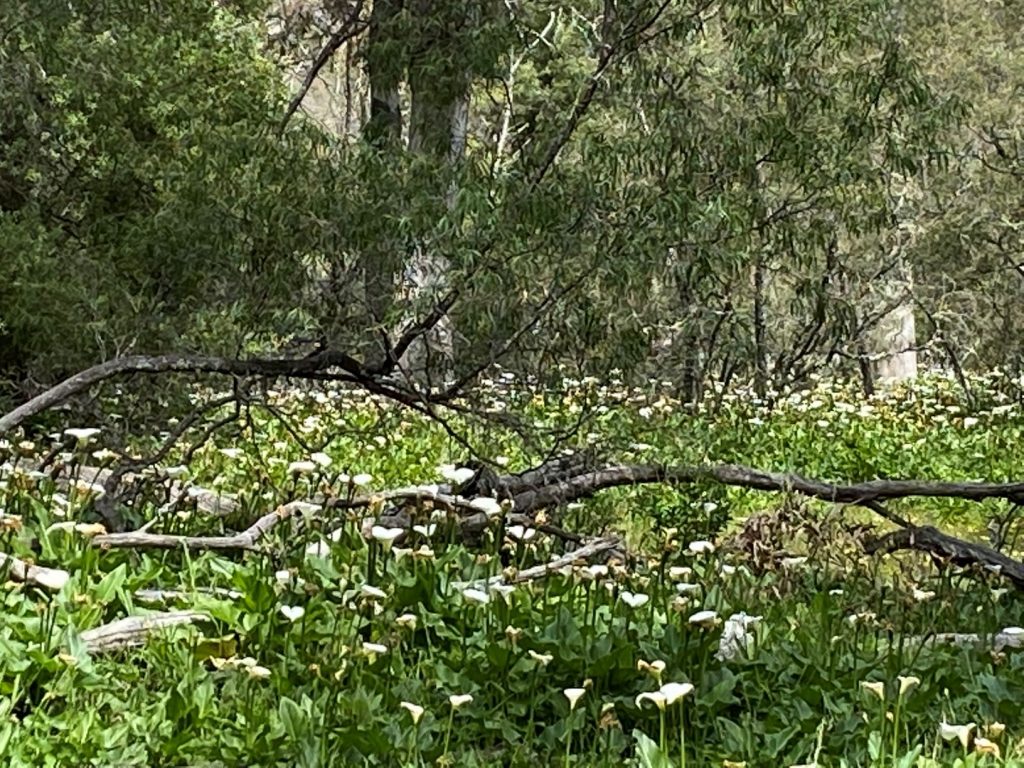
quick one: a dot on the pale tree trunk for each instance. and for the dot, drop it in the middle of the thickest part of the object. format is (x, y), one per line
(893, 341)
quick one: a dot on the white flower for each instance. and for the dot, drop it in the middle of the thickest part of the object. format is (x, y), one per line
(293, 612)
(673, 692)
(574, 695)
(920, 595)
(286, 577)
(907, 682)
(501, 461)
(487, 505)
(257, 672)
(425, 530)
(704, 619)
(301, 467)
(679, 572)
(521, 532)
(361, 479)
(456, 475)
(635, 599)
(687, 589)
(407, 620)
(653, 668)
(385, 536)
(701, 547)
(970, 421)
(232, 453)
(415, 711)
(793, 562)
(541, 658)
(459, 699)
(319, 549)
(373, 593)
(82, 435)
(374, 649)
(321, 458)
(476, 596)
(668, 694)
(960, 732)
(874, 686)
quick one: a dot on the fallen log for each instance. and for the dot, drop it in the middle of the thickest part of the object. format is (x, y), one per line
(134, 630)
(35, 575)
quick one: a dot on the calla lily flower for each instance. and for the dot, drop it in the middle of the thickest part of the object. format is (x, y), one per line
(541, 658)
(415, 711)
(701, 547)
(907, 683)
(635, 599)
(705, 619)
(459, 699)
(574, 695)
(874, 686)
(373, 593)
(293, 612)
(961, 733)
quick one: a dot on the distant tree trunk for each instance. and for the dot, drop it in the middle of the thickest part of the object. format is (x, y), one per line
(893, 341)
(760, 329)
(379, 265)
(438, 125)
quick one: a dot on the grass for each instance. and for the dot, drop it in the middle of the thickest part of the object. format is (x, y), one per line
(333, 648)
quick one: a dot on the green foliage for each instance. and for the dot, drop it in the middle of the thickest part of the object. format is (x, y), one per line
(266, 683)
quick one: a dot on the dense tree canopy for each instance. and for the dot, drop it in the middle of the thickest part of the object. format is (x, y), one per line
(716, 190)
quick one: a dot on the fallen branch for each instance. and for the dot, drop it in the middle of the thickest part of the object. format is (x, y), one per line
(246, 540)
(35, 575)
(1011, 637)
(586, 552)
(946, 547)
(134, 630)
(587, 484)
(180, 363)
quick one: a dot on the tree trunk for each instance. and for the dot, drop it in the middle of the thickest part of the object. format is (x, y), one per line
(894, 339)
(438, 125)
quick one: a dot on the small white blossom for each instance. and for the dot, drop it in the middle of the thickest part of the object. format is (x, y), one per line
(293, 612)
(635, 599)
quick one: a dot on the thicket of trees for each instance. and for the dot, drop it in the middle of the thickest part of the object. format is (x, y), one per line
(708, 190)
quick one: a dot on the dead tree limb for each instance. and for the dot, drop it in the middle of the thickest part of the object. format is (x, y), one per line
(246, 540)
(586, 552)
(35, 575)
(134, 630)
(182, 363)
(946, 547)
